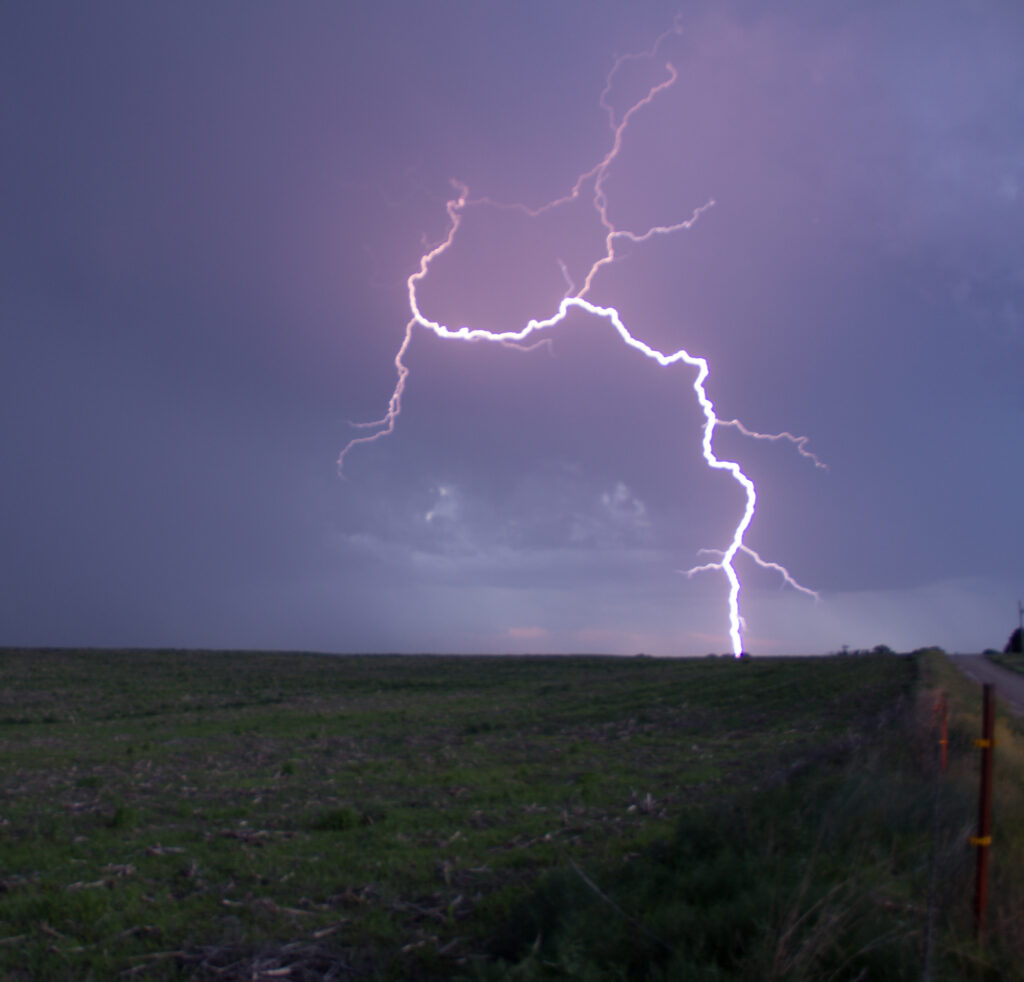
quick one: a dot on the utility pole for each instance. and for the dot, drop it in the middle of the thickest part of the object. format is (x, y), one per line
(1020, 627)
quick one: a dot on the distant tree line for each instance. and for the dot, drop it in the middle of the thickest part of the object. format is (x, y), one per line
(878, 649)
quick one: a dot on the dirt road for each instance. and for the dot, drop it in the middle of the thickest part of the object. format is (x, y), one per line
(1009, 685)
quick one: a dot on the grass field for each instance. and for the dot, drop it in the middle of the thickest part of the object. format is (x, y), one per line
(170, 815)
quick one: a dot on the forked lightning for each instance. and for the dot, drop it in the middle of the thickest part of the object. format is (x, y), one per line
(576, 299)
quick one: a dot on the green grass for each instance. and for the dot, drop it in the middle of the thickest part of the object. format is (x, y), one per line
(170, 814)
(1011, 660)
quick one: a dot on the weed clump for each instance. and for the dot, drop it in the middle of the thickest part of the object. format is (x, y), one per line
(335, 820)
(123, 817)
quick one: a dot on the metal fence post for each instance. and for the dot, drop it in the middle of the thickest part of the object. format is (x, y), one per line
(983, 840)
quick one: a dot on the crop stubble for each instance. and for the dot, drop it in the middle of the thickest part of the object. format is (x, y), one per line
(180, 814)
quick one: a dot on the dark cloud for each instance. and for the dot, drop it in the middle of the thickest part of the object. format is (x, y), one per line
(210, 215)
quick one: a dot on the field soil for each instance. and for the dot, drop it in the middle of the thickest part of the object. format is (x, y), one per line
(210, 815)
(1009, 685)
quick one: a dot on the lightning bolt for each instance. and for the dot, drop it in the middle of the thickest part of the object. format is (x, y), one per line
(594, 178)
(800, 442)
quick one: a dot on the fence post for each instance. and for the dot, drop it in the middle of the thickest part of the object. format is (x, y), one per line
(983, 840)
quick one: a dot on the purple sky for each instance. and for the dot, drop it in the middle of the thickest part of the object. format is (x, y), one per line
(209, 212)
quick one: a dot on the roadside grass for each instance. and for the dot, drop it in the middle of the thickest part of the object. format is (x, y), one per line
(777, 885)
(1002, 955)
(174, 815)
(1014, 661)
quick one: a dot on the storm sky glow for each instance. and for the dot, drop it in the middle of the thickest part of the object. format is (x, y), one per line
(211, 214)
